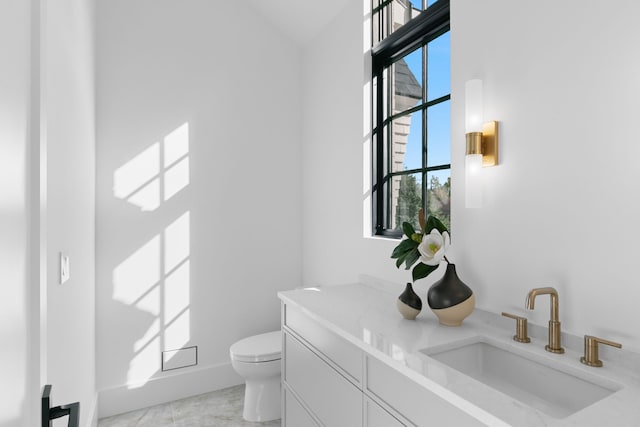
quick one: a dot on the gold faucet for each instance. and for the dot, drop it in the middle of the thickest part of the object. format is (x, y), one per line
(591, 350)
(521, 328)
(554, 345)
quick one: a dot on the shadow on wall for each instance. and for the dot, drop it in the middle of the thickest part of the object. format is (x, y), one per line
(153, 282)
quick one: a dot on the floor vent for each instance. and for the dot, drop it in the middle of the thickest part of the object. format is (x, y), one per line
(180, 358)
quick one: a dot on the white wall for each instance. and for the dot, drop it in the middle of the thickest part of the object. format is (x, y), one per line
(336, 69)
(14, 142)
(559, 210)
(198, 192)
(65, 356)
(68, 102)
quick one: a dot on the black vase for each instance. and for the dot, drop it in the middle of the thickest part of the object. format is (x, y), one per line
(409, 303)
(450, 299)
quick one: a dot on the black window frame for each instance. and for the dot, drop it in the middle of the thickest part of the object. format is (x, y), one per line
(429, 25)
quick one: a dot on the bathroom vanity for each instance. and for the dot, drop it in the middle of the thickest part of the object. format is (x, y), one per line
(349, 359)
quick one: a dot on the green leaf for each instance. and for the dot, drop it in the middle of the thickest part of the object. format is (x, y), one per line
(404, 247)
(399, 261)
(411, 259)
(412, 255)
(408, 229)
(433, 222)
(422, 270)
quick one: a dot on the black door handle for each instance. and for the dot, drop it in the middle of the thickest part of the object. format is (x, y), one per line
(49, 413)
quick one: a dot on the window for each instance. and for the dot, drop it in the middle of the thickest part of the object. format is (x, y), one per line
(411, 113)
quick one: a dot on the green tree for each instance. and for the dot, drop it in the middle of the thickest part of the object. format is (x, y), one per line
(439, 198)
(409, 201)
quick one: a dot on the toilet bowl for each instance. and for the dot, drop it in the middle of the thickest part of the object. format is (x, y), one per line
(257, 360)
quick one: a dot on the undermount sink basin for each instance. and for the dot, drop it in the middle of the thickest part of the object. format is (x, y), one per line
(554, 392)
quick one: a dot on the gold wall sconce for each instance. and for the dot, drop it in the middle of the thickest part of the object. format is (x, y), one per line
(482, 143)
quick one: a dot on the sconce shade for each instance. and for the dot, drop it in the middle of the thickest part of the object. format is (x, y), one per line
(473, 183)
(481, 143)
(473, 129)
(473, 106)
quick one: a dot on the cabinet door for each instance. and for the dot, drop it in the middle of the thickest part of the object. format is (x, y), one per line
(417, 404)
(294, 414)
(345, 356)
(329, 396)
(378, 417)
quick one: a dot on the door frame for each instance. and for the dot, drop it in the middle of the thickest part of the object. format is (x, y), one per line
(37, 211)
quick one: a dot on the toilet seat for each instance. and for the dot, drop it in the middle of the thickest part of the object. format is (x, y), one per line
(258, 348)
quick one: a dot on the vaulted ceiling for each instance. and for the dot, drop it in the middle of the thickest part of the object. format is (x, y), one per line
(300, 20)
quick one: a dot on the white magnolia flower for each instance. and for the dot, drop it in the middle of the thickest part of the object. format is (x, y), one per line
(433, 247)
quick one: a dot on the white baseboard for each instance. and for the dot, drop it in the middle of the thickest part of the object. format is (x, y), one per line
(172, 385)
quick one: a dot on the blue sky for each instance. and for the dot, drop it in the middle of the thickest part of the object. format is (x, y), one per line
(439, 116)
(418, 3)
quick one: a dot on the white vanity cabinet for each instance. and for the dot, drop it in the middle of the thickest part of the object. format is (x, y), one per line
(332, 399)
(417, 404)
(293, 413)
(350, 360)
(321, 375)
(322, 378)
(329, 381)
(375, 416)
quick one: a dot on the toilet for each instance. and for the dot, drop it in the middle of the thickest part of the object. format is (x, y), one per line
(257, 360)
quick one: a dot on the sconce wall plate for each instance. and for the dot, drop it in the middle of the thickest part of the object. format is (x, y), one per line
(490, 143)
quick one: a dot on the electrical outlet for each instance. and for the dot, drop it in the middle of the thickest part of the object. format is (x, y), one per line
(64, 268)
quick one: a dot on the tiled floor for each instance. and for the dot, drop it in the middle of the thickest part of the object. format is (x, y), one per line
(222, 408)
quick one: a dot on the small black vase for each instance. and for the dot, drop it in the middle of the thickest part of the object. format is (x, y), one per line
(450, 299)
(409, 303)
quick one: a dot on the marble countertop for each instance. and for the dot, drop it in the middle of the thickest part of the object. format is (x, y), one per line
(365, 314)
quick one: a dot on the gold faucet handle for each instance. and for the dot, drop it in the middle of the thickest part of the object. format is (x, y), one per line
(590, 357)
(521, 327)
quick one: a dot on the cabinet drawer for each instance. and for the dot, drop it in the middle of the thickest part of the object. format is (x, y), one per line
(294, 414)
(413, 401)
(334, 401)
(378, 417)
(345, 355)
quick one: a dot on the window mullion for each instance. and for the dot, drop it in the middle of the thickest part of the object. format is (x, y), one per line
(388, 143)
(425, 136)
(416, 108)
(380, 148)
